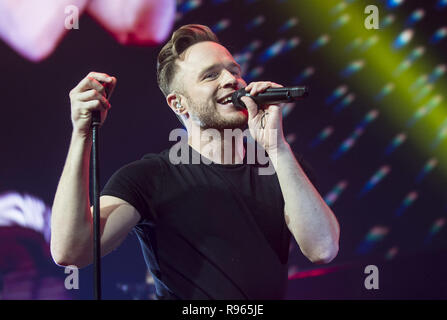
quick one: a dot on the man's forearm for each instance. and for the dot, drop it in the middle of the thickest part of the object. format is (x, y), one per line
(308, 217)
(71, 215)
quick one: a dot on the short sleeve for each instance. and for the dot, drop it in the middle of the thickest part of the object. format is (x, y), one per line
(138, 183)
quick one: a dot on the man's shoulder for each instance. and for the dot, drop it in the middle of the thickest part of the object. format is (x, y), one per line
(148, 163)
(155, 156)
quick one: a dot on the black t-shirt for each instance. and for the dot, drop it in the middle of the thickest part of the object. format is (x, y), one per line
(207, 231)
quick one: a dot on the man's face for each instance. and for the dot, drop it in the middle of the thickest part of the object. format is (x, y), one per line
(209, 74)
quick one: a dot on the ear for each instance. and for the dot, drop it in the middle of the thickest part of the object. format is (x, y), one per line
(174, 102)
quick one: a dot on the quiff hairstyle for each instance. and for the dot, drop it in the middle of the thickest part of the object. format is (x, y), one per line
(183, 38)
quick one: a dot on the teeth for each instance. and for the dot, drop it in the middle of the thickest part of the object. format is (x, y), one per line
(226, 100)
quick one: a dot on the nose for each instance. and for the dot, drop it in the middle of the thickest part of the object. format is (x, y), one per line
(232, 81)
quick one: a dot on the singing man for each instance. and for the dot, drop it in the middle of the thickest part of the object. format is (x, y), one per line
(216, 229)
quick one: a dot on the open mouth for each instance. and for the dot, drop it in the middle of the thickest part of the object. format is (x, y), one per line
(227, 100)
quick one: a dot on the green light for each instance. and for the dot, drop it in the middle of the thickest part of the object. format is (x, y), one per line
(411, 87)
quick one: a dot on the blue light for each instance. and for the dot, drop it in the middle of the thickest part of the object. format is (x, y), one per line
(254, 73)
(221, 25)
(272, 51)
(256, 22)
(288, 24)
(391, 4)
(416, 16)
(321, 41)
(441, 4)
(440, 34)
(305, 74)
(344, 103)
(352, 68)
(388, 20)
(337, 93)
(189, 6)
(403, 38)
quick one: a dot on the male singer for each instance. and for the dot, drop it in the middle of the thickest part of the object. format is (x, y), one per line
(215, 230)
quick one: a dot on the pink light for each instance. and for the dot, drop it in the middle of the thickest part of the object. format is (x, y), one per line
(313, 273)
(142, 22)
(35, 28)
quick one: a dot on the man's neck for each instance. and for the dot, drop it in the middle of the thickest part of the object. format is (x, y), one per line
(218, 148)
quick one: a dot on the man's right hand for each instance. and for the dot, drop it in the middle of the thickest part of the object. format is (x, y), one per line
(90, 95)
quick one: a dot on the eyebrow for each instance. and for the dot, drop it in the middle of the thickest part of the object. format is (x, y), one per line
(216, 65)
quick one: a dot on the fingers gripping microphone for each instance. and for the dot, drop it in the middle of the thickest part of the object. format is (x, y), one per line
(271, 96)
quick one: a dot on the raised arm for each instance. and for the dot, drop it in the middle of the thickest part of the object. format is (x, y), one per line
(71, 221)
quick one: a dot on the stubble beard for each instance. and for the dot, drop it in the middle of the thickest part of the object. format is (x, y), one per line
(208, 117)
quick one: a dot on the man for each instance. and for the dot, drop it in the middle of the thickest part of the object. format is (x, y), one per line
(208, 231)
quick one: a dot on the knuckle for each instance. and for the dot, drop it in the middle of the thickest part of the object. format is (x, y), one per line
(99, 88)
(90, 81)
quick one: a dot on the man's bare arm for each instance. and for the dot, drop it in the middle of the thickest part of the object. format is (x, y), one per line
(308, 217)
(71, 221)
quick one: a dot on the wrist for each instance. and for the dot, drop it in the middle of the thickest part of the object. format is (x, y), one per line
(82, 138)
(280, 147)
(81, 135)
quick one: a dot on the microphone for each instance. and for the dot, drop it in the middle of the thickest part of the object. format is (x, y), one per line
(271, 96)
